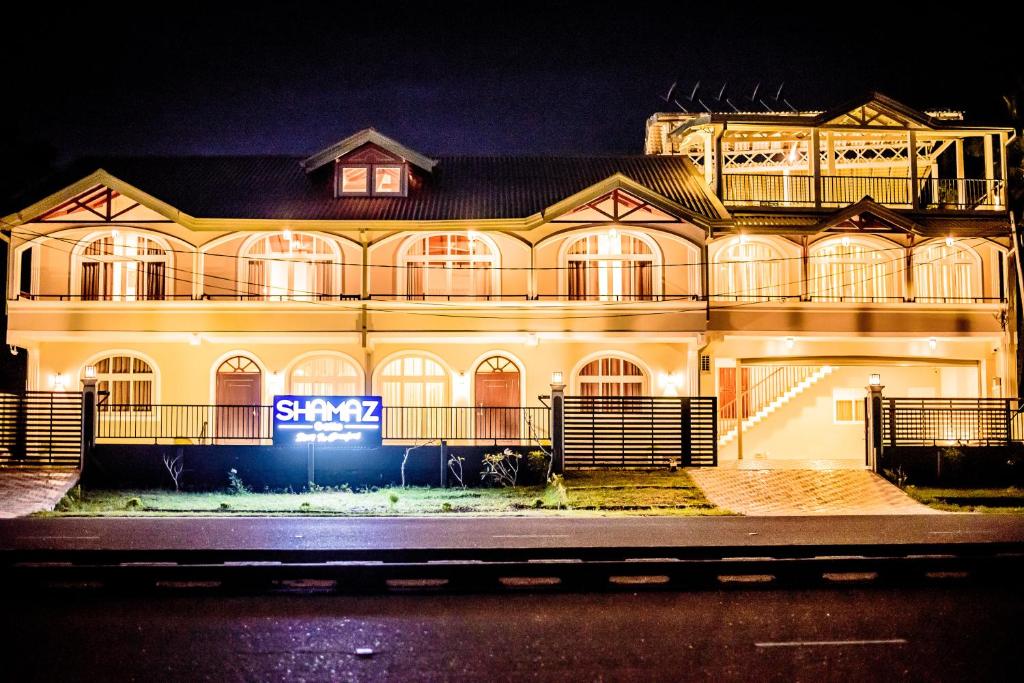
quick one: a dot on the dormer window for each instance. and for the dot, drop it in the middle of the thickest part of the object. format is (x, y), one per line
(372, 179)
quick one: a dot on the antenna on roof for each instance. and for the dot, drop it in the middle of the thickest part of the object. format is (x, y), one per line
(753, 95)
(668, 96)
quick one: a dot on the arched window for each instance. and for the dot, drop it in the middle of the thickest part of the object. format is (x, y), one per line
(129, 381)
(611, 266)
(853, 270)
(123, 266)
(945, 272)
(285, 266)
(748, 270)
(611, 376)
(326, 375)
(414, 381)
(452, 264)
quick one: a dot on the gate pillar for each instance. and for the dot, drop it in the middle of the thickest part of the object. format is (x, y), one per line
(557, 423)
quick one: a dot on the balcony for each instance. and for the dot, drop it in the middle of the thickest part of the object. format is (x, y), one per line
(945, 194)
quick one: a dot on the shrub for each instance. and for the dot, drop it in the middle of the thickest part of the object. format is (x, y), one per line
(446, 507)
(133, 504)
(235, 483)
(501, 469)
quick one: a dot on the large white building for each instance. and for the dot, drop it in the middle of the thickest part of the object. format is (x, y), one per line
(773, 260)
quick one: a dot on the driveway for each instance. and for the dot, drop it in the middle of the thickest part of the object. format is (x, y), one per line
(804, 492)
(24, 490)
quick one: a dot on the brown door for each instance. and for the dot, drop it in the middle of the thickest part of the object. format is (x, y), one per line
(497, 400)
(238, 405)
(727, 391)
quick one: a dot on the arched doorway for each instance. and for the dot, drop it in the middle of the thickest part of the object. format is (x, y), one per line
(239, 393)
(497, 399)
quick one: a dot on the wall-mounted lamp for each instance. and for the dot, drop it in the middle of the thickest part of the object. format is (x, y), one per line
(932, 343)
(875, 379)
(532, 339)
(790, 342)
(194, 339)
(949, 241)
(90, 372)
(556, 377)
(743, 238)
(845, 241)
(60, 382)
(286, 234)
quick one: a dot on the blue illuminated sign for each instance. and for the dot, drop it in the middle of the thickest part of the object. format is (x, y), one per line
(338, 421)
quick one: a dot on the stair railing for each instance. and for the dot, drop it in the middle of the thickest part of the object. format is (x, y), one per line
(771, 385)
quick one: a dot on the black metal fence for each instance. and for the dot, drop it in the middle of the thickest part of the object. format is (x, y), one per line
(640, 431)
(41, 428)
(951, 421)
(239, 424)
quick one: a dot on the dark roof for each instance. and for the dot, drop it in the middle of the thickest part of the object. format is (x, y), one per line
(276, 187)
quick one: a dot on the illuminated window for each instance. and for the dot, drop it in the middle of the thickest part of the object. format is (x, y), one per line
(355, 180)
(849, 406)
(458, 265)
(610, 266)
(387, 180)
(371, 179)
(128, 380)
(284, 266)
(946, 273)
(414, 381)
(858, 271)
(611, 376)
(748, 270)
(326, 375)
(123, 266)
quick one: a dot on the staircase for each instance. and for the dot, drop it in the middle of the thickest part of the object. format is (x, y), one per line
(770, 388)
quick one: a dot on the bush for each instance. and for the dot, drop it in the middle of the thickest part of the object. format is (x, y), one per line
(501, 469)
(235, 483)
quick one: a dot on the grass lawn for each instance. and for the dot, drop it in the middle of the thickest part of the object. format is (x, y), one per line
(641, 493)
(994, 500)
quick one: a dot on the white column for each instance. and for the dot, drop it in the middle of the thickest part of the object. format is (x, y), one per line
(912, 158)
(960, 184)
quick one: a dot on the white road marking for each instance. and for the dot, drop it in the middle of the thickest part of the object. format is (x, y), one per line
(820, 643)
(530, 536)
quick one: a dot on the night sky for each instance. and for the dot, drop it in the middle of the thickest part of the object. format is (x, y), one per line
(445, 78)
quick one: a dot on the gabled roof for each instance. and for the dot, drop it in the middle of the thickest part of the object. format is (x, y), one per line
(882, 107)
(868, 206)
(367, 135)
(459, 188)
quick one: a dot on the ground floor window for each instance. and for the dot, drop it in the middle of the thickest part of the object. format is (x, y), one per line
(611, 376)
(849, 406)
(414, 381)
(326, 375)
(127, 381)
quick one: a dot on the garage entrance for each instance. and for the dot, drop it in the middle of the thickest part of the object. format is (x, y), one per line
(810, 412)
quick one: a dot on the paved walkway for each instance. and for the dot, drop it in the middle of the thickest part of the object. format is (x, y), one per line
(27, 490)
(804, 492)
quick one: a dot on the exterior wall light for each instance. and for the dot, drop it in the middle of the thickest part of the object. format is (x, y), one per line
(556, 377)
(875, 379)
(60, 382)
(194, 339)
(932, 343)
(90, 372)
(949, 241)
(532, 339)
(790, 342)
(286, 234)
(845, 241)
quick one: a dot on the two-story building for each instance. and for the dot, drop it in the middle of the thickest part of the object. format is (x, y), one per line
(772, 259)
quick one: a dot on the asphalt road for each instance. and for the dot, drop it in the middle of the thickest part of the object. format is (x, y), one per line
(944, 632)
(498, 532)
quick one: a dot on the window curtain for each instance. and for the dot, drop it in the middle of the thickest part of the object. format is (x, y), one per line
(90, 281)
(257, 278)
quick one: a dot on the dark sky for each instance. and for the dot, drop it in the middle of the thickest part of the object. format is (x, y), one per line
(449, 78)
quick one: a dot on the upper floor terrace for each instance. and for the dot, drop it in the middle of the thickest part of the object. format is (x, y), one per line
(874, 147)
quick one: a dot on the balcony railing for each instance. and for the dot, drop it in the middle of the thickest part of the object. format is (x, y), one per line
(767, 190)
(253, 424)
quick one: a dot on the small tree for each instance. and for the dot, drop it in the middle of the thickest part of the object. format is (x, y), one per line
(174, 467)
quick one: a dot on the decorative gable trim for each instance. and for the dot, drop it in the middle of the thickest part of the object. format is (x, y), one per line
(360, 139)
(876, 214)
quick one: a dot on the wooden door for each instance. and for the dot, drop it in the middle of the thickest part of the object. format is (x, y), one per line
(727, 391)
(238, 405)
(497, 400)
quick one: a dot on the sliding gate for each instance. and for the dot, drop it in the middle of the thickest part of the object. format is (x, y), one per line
(41, 428)
(640, 431)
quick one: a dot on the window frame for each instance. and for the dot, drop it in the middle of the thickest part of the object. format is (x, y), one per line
(405, 259)
(892, 261)
(724, 269)
(970, 258)
(655, 259)
(371, 179)
(334, 266)
(153, 377)
(358, 379)
(80, 259)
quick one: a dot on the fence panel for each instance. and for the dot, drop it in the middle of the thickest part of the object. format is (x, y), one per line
(468, 425)
(640, 431)
(951, 421)
(41, 428)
